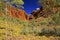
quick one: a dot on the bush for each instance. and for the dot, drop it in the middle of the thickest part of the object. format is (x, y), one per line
(57, 31)
(55, 18)
(25, 31)
(47, 32)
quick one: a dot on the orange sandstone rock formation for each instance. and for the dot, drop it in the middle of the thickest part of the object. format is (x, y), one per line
(17, 13)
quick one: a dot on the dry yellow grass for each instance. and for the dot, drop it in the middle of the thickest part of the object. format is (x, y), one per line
(24, 37)
(12, 31)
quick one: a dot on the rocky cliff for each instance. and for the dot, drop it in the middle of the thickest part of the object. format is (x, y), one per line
(18, 13)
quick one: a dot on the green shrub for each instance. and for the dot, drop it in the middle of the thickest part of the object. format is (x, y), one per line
(55, 18)
(57, 31)
(47, 32)
(25, 31)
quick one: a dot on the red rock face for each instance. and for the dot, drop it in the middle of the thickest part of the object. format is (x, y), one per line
(17, 13)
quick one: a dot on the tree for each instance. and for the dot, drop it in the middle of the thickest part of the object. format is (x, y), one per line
(52, 8)
(18, 3)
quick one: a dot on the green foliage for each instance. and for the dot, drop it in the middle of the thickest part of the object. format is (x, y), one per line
(2, 7)
(13, 1)
(18, 3)
(32, 23)
(56, 18)
(40, 1)
(57, 31)
(47, 32)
